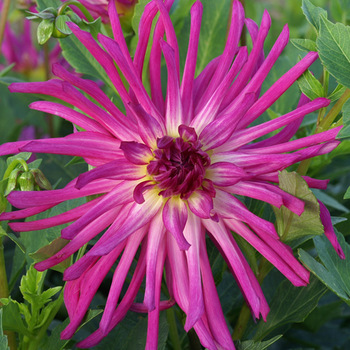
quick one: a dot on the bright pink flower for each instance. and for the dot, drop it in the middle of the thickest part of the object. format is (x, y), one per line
(168, 170)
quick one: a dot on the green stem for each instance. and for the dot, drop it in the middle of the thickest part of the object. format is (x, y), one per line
(4, 293)
(80, 6)
(3, 19)
(174, 335)
(324, 125)
(325, 81)
(13, 166)
(333, 113)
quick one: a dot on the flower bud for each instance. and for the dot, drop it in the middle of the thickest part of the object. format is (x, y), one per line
(41, 180)
(26, 181)
(12, 181)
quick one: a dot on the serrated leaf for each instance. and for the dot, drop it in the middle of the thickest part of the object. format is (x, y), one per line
(334, 50)
(313, 13)
(49, 250)
(12, 320)
(55, 342)
(45, 30)
(61, 26)
(31, 282)
(335, 272)
(290, 305)
(304, 44)
(3, 338)
(251, 345)
(310, 86)
(345, 130)
(309, 222)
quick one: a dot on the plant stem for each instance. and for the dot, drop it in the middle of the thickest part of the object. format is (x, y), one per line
(4, 293)
(81, 7)
(194, 340)
(3, 19)
(324, 125)
(13, 166)
(174, 335)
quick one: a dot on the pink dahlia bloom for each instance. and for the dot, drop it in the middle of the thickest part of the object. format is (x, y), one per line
(168, 171)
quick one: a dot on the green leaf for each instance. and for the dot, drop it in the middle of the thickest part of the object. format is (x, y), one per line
(49, 250)
(23, 155)
(345, 130)
(138, 11)
(216, 260)
(347, 193)
(329, 201)
(251, 345)
(44, 4)
(334, 50)
(76, 160)
(337, 93)
(290, 305)
(310, 86)
(321, 315)
(308, 223)
(81, 59)
(3, 338)
(61, 26)
(45, 30)
(131, 334)
(313, 13)
(12, 320)
(93, 27)
(213, 31)
(304, 44)
(335, 272)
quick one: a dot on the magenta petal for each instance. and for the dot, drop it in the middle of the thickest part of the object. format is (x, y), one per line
(329, 230)
(119, 278)
(155, 235)
(224, 173)
(120, 169)
(193, 232)
(138, 216)
(200, 203)
(60, 219)
(174, 218)
(190, 64)
(136, 153)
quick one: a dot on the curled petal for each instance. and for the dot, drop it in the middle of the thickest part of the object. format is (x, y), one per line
(136, 153)
(174, 218)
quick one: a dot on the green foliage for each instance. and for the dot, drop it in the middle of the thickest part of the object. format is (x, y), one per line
(44, 4)
(345, 131)
(251, 345)
(131, 334)
(54, 342)
(304, 44)
(45, 30)
(290, 226)
(289, 305)
(310, 86)
(3, 338)
(334, 50)
(213, 31)
(313, 14)
(335, 272)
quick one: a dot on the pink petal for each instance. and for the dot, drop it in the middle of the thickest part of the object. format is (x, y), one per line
(174, 219)
(137, 153)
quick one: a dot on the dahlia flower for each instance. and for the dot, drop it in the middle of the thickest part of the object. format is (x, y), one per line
(168, 172)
